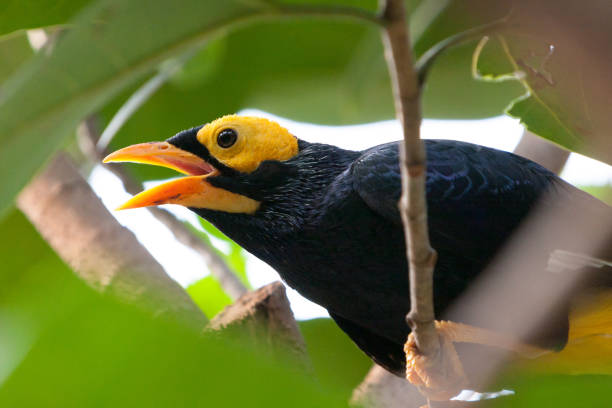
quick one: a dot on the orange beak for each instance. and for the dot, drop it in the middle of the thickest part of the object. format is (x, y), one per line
(193, 191)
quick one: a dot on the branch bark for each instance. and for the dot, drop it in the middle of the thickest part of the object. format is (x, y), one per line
(265, 315)
(73, 220)
(413, 207)
(542, 152)
(381, 389)
(230, 283)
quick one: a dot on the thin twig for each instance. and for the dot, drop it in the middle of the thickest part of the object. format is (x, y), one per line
(134, 102)
(425, 62)
(413, 206)
(230, 283)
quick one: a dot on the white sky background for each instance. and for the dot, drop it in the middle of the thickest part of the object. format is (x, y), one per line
(184, 265)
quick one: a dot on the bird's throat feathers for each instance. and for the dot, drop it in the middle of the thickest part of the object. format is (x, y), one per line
(288, 191)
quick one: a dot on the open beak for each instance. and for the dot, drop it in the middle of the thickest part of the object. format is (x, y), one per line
(192, 191)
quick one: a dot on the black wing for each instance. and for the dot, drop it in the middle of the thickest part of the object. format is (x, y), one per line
(476, 198)
(470, 189)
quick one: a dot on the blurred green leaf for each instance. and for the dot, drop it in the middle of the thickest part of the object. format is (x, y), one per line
(209, 296)
(312, 70)
(337, 361)
(64, 345)
(541, 120)
(564, 70)
(43, 102)
(451, 92)
(557, 391)
(30, 272)
(316, 70)
(235, 257)
(237, 260)
(105, 354)
(14, 51)
(212, 230)
(20, 14)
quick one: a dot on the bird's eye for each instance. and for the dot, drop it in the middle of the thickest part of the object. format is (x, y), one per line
(226, 138)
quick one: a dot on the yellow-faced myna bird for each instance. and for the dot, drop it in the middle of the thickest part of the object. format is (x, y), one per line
(327, 219)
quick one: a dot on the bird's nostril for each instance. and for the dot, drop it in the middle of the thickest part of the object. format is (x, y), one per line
(163, 147)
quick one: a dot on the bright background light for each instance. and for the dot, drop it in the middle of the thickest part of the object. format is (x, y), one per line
(186, 267)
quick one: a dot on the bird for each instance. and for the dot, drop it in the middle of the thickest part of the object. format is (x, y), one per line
(326, 219)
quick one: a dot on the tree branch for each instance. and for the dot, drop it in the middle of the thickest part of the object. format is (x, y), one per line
(413, 207)
(542, 152)
(73, 220)
(230, 283)
(265, 317)
(381, 389)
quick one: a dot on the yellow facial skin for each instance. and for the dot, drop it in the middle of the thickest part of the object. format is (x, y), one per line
(258, 140)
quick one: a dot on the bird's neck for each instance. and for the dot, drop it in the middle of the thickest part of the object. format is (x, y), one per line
(287, 205)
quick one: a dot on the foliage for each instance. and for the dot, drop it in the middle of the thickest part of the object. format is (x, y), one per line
(566, 99)
(209, 295)
(64, 345)
(558, 391)
(322, 64)
(337, 362)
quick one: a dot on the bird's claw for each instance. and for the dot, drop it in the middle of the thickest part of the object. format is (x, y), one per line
(439, 377)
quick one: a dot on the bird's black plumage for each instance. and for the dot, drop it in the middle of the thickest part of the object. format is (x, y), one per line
(329, 224)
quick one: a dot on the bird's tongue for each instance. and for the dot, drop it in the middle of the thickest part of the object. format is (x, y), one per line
(191, 168)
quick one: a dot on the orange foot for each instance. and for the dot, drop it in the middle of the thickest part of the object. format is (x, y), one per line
(440, 377)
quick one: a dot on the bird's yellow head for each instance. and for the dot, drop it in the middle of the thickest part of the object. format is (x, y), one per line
(231, 144)
(243, 142)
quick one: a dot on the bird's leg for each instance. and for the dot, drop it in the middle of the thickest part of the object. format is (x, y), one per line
(441, 376)
(438, 377)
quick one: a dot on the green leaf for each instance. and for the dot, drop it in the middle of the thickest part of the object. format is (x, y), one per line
(559, 391)
(209, 296)
(105, 354)
(14, 51)
(237, 260)
(541, 120)
(337, 362)
(314, 70)
(451, 91)
(30, 272)
(564, 69)
(235, 257)
(43, 103)
(64, 345)
(212, 230)
(24, 14)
